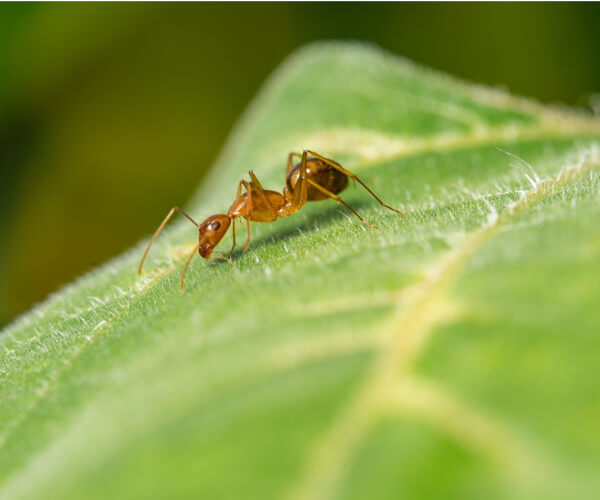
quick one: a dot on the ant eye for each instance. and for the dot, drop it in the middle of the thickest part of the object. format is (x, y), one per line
(215, 225)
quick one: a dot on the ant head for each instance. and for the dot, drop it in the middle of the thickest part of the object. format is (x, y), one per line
(211, 232)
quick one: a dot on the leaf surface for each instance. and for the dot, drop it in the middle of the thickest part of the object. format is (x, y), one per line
(452, 352)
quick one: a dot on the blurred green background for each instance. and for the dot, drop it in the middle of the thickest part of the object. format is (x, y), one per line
(111, 113)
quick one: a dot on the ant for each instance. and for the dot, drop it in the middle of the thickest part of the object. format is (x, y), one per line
(312, 179)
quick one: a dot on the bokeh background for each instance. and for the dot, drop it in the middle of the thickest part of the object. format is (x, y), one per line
(111, 113)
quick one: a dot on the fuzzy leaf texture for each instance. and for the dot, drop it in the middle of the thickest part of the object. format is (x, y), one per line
(452, 353)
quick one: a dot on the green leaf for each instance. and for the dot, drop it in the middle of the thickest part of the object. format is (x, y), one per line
(452, 353)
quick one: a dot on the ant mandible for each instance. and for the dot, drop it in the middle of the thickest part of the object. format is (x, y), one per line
(312, 179)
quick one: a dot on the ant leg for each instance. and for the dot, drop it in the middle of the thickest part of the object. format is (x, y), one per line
(248, 209)
(296, 198)
(238, 194)
(255, 180)
(290, 165)
(185, 268)
(160, 228)
(341, 169)
(301, 189)
(232, 246)
(249, 236)
(261, 193)
(339, 200)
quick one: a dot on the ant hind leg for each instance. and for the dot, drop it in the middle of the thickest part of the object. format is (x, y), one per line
(352, 176)
(339, 200)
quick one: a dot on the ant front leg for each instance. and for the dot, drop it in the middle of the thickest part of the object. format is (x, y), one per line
(248, 212)
(352, 176)
(255, 189)
(237, 195)
(232, 246)
(160, 228)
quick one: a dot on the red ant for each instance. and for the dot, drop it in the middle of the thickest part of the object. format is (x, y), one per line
(312, 179)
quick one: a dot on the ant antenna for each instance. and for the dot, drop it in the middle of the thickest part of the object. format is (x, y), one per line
(185, 268)
(160, 228)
